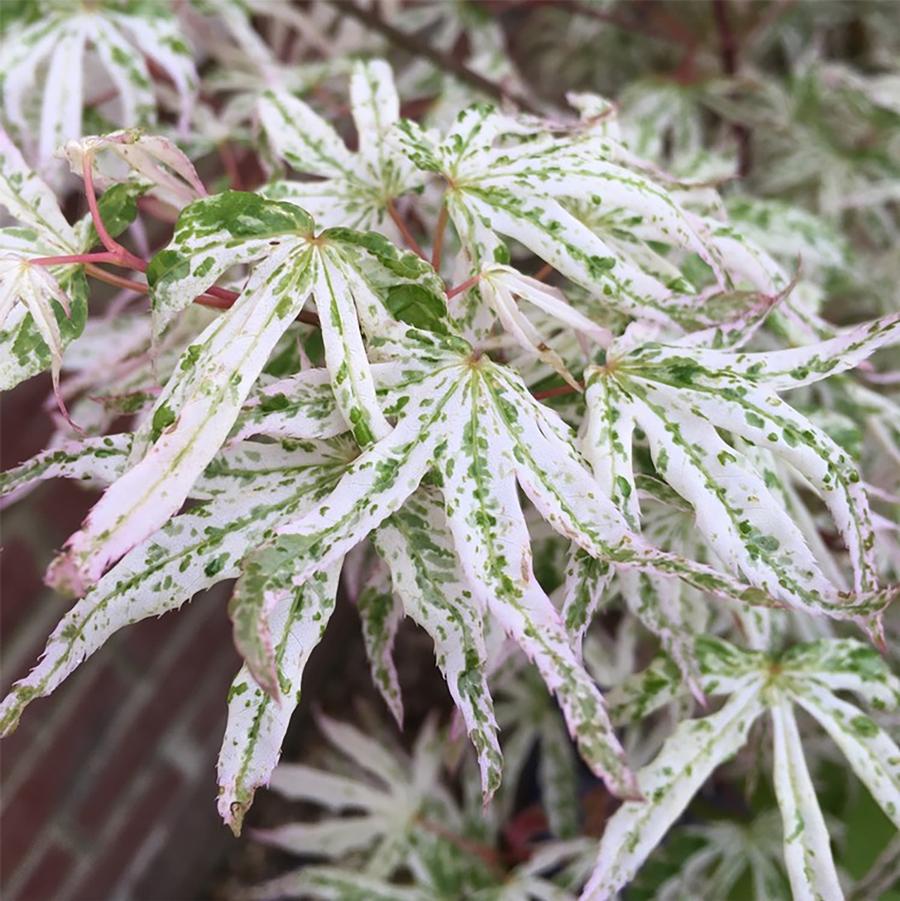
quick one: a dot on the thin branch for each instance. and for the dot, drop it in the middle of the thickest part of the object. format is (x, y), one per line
(416, 46)
(462, 287)
(772, 14)
(408, 236)
(543, 272)
(113, 246)
(230, 164)
(111, 279)
(83, 258)
(439, 238)
(728, 50)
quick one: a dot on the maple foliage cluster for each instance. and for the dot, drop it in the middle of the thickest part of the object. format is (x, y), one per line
(595, 390)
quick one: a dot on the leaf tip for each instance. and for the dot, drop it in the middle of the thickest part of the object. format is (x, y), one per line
(66, 577)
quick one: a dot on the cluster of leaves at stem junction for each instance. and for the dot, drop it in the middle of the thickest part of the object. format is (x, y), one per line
(542, 382)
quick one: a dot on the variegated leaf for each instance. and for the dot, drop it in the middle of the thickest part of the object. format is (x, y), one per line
(257, 721)
(357, 188)
(214, 234)
(723, 668)
(250, 489)
(95, 460)
(346, 268)
(679, 396)
(380, 614)
(426, 576)
(587, 586)
(485, 433)
(872, 754)
(492, 541)
(557, 776)
(668, 784)
(198, 407)
(499, 285)
(52, 300)
(485, 183)
(844, 665)
(641, 693)
(44, 63)
(807, 850)
(151, 163)
(190, 421)
(299, 406)
(377, 483)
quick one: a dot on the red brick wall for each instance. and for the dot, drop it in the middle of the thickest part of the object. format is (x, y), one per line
(107, 789)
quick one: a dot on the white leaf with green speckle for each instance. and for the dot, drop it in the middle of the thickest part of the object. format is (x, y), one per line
(98, 461)
(491, 537)
(190, 421)
(475, 421)
(587, 586)
(44, 64)
(298, 406)
(339, 293)
(257, 721)
(681, 396)
(668, 783)
(42, 308)
(380, 614)
(250, 489)
(872, 754)
(528, 192)
(781, 370)
(29, 200)
(376, 484)
(425, 574)
(356, 188)
(807, 850)
(844, 664)
(735, 510)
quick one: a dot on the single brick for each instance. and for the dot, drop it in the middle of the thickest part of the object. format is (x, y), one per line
(48, 875)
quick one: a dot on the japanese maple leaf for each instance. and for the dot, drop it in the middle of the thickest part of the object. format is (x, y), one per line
(355, 189)
(807, 675)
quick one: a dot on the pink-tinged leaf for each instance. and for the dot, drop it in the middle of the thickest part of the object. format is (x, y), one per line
(94, 460)
(249, 490)
(190, 422)
(151, 161)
